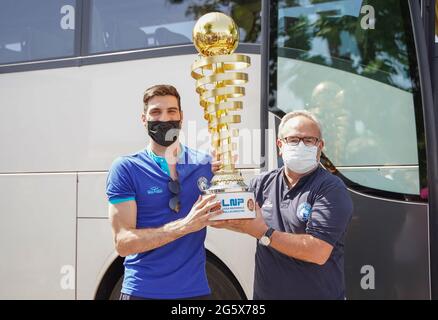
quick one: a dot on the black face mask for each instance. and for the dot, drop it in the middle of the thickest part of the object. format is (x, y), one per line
(164, 132)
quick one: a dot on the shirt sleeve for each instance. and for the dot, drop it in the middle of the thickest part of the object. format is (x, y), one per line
(331, 214)
(119, 185)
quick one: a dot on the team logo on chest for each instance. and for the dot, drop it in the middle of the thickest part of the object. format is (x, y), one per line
(267, 204)
(154, 190)
(203, 183)
(303, 212)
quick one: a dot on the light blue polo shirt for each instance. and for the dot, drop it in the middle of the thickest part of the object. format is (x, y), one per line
(177, 269)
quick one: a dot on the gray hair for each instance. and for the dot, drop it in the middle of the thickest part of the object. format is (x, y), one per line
(294, 114)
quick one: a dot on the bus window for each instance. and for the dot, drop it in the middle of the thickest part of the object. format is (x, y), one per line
(134, 24)
(36, 30)
(350, 63)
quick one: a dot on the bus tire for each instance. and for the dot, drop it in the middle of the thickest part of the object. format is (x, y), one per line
(223, 284)
(115, 293)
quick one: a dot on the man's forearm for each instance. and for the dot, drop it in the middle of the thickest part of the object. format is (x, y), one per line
(303, 247)
(134, 241)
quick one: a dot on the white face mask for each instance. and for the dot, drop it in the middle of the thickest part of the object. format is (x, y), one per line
(300, 158)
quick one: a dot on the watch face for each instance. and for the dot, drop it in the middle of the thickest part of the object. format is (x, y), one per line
(265, 241)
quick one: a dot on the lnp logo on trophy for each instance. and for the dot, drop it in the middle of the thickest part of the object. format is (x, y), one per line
(216, 36)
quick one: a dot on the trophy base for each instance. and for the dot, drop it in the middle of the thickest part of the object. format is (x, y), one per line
(237, 203)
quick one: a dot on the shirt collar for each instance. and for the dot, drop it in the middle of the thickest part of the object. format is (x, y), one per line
(161, 161)
(285, 188)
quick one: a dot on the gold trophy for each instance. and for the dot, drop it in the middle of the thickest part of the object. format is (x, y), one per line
(216, 36)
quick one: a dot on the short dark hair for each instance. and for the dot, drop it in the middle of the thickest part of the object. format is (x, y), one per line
(160, 90)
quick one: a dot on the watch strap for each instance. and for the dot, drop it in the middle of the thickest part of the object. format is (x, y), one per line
(269, 232)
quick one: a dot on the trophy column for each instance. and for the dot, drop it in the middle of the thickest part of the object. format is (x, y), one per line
(215, 36)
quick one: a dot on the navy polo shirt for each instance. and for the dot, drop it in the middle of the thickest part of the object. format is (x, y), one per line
(177, 269)
(319, 205)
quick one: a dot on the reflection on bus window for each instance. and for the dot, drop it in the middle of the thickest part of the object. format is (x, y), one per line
(358, 82)
(436, 21)
(36, 30)
(134, 24)
(332, 33)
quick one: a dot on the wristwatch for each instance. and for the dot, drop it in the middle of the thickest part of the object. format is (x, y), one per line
(265, 240)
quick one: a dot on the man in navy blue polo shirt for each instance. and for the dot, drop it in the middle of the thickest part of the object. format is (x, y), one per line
(303, 220)
(157, 215)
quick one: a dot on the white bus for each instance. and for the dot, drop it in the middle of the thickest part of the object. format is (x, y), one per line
(72, 75)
